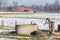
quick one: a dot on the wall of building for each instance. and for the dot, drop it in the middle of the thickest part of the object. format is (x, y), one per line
(26, 28)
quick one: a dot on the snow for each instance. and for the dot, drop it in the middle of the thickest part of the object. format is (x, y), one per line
(38, 18)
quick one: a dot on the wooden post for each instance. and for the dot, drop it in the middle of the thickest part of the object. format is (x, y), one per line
(15, 22)
(31, 22)
(52, 27)
(2, 24)
(16, 26)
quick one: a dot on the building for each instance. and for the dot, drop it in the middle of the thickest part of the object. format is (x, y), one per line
(26, 29)
(21, 9)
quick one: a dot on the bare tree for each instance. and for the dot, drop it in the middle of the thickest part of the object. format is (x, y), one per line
(3, 4)
(56, 6)
(41, 8)
(35, 8)
(0, 3)
(47, 7)
(15, 3)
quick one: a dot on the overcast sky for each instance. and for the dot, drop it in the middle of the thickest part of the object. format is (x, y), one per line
(31, 2)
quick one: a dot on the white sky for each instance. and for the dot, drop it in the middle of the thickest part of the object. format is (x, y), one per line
(31, 2)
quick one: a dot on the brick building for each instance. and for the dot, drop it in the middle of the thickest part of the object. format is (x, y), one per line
(21, 9)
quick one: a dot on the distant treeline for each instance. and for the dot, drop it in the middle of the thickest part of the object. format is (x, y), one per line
(55, 7)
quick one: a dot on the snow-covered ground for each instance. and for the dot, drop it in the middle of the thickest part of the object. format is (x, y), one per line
(7, 39)
(38, 18)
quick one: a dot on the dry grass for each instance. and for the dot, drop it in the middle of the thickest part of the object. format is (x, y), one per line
(7, 28)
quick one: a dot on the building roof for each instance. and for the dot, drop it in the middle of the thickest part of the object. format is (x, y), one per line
(21, 9)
